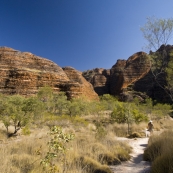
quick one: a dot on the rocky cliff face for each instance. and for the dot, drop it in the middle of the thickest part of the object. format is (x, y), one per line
(125, 73)
(149, 84)
(100, 79)
(132, 77)
(81, 87)
(120, 76)
(24, 73)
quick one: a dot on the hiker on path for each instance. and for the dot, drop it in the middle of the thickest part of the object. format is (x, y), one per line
(150, 127)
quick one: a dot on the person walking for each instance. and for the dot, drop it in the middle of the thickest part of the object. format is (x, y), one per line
(150, 127)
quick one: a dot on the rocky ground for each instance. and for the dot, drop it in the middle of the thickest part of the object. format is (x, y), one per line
(136, 164)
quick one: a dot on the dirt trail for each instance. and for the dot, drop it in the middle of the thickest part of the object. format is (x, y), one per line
(136, 163)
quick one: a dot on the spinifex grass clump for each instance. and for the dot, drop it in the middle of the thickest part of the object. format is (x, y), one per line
(134, 135)
(160, 152)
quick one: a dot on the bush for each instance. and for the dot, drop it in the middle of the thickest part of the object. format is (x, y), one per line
(93, 166)
(24, 162)
(109, 159)
(163, 164)
(26, 131)
(160, 152)
(134, 135)
(123, 154)
(153, 151)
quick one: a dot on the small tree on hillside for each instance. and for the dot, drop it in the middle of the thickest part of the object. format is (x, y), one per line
(158, 32)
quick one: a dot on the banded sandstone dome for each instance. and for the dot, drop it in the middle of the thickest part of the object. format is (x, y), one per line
(132, 77)
(24, 73)
(123, 74)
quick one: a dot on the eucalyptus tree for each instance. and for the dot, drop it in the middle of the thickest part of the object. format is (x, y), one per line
(45, 94)
(108, 101)
(160, 111)
(17, 111)
(59, 103)
(77, 106)
(158, 32)
(55, 103)
(127, 113)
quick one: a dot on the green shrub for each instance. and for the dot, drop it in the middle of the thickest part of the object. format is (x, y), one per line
(57, 146)
(26, 131)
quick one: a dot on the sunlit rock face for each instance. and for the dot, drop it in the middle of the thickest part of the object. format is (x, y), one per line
(116, 77)
(80, 85)
(120, 76)
(24, 73)
(125, 73)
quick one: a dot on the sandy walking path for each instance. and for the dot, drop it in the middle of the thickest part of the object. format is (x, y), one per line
(136, 163)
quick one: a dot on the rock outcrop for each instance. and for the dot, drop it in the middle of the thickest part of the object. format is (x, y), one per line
(125, 73)
(82, 87)
(120, 76)
(150, 84)
(133, 77)
(99, 78)
(24, 73)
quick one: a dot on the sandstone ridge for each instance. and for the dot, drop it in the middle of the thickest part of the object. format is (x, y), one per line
(132, 77)
(24, 73)
(124, 73)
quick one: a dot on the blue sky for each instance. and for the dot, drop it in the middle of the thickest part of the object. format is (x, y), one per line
(83, 34)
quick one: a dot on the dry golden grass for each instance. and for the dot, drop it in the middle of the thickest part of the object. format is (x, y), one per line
(20, 156)
(3, 133)
(3, 136)
(86, 153)
(160, 152)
